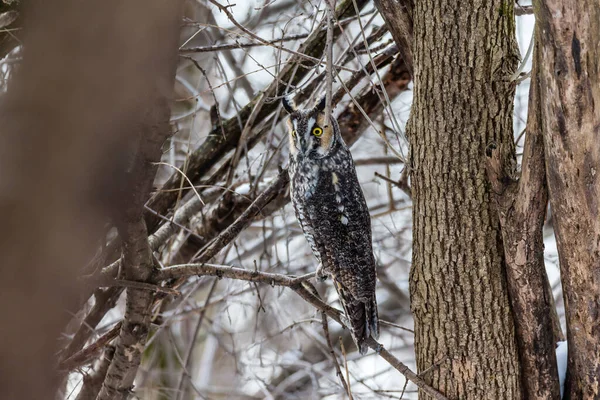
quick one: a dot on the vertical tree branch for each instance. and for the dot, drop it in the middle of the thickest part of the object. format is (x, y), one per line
(92, 383)
(137, 262)
(521, 207)
(570, 98)
(398, 17)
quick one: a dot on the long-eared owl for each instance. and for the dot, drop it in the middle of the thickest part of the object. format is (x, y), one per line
(333, 213)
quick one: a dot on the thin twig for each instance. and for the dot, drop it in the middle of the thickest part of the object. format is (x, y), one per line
(380, 61)
(212, 91)
(400, 184)
(329, 57)
(404, 389)
(188, 354)
(266, 42)
(87, 354)
(232, 46)
(346, 366)
(386, 323)
(338, 370)
(184, 176)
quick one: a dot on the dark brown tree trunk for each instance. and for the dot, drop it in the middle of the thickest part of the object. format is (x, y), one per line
(398, 18)
(570, 98)
(464, 332)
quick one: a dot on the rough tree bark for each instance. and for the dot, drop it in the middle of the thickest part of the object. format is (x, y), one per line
(521, 204)
(570, 98)
(463, 54)
(398, 19)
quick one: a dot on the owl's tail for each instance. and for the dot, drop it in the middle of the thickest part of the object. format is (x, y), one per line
(362, 317)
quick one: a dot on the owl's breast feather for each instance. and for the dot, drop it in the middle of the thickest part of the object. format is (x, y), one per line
(305, 180)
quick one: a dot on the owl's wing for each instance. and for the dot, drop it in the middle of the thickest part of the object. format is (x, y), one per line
(337, 215)
(341, 228)
(307, 225)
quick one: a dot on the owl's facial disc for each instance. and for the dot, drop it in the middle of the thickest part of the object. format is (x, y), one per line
(309, 136)
(326, 139)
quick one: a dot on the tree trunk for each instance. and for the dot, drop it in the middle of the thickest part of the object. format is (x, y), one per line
(570, 98)
(463, 56)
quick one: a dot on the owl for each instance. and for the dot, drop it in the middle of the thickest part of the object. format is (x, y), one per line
(332, 211)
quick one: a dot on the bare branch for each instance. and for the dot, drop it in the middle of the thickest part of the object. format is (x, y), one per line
(523, 10)
(215, 147)
(336, 364)
(93, 382)
(137, 258)
(225, 271)
(86, 355)
(377, 160)
(398, 18)
(373, 344)
(401, 184)
(232, 46)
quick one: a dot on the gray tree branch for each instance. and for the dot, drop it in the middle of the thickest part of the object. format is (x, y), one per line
(137, 259)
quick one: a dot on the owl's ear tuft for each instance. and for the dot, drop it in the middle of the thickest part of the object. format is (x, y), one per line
(288, 105)
(320, 107)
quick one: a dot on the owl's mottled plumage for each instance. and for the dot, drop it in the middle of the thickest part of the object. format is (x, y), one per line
(333, 213)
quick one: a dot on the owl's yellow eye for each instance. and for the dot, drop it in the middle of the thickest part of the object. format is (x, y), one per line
(294, 134)
(317, 131)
